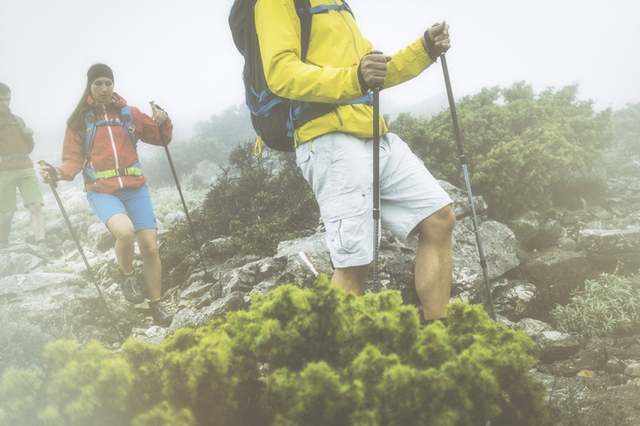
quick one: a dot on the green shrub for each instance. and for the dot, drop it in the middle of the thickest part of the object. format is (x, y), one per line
(258, 202)
(521, 148)
(316, 356)
(76, 387)
(21, 344)
(605, 306)
(626, 128)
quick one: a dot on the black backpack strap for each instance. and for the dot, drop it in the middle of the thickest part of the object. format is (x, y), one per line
(305, 26)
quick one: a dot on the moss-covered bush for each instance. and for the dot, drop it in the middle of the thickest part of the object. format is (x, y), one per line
(317, 356)
(605, 306)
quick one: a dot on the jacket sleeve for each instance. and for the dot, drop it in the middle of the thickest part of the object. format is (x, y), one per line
(146, 129)
(73, 155)
(278, 29)
(407, 64)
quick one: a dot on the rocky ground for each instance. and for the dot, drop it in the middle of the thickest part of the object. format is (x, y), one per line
(534, 263)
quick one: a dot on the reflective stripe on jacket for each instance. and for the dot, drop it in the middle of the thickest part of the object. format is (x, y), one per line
(330, 73)
(112, 146)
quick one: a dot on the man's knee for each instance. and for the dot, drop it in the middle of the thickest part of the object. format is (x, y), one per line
(440, 224)
(35, 208)
(352, 278)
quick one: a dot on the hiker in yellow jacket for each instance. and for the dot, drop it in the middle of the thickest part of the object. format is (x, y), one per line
(334, 151)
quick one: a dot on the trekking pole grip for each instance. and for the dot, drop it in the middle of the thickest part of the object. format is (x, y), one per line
(155, 108)
(46, 168)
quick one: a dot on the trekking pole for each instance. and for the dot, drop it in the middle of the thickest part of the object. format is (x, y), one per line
(53, 186)
(376, 184)
(463, 161)
(175, 178)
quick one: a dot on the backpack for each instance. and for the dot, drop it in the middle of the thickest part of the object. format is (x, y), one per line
(274, 118)
(91, 175)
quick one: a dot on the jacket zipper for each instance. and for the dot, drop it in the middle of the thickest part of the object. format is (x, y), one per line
(113, 145)
(353, 36)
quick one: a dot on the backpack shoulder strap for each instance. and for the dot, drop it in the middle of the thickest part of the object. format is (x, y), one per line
(305, 26)
(91, 128)
(127, 121)
(90, 134)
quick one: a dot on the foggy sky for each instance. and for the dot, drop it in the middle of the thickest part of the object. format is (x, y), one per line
(180, 53)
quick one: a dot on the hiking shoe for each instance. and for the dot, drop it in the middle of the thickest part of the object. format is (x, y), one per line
(131, 289)
(160, 315)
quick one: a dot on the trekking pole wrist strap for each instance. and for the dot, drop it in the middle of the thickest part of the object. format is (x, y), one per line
(432, 51)
(363, 84)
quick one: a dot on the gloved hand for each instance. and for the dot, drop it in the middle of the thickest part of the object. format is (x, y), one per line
(372, 70)
(158, 115)
(436, 40)
(49, 173)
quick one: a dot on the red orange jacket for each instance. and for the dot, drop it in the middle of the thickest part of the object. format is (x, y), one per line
(112, 146)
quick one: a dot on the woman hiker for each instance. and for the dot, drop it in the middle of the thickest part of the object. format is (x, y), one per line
(100, 141)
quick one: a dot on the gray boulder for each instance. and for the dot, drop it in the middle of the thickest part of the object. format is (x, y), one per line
(460, 198)
(513, 299)
(61, 302)
(500, 247)
(198, 316)
(553, 345)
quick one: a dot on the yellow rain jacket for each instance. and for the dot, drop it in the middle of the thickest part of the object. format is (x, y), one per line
(330, 73)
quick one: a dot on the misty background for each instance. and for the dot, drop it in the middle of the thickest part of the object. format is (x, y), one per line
(181, 54)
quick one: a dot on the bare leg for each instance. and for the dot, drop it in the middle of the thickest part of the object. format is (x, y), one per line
(37, 221)
(152, 267)
(5, 225)
(122, 228)
(352, 278)
(434, 262)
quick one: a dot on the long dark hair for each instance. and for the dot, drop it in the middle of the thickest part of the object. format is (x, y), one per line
(76, 120)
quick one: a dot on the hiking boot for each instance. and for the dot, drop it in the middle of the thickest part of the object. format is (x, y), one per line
(160, 315)
(131, 289)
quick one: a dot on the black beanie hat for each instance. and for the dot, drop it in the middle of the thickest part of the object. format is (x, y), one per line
(97, 71)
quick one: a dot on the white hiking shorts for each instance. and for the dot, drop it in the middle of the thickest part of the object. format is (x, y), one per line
(339, 168)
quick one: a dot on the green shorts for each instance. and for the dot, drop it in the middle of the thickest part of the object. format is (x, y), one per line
(23, 179)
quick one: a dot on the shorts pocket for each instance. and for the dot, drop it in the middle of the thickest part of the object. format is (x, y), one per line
(303, 153)
(345, 220)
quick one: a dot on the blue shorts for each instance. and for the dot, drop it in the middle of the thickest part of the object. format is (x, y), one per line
(135, 203)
